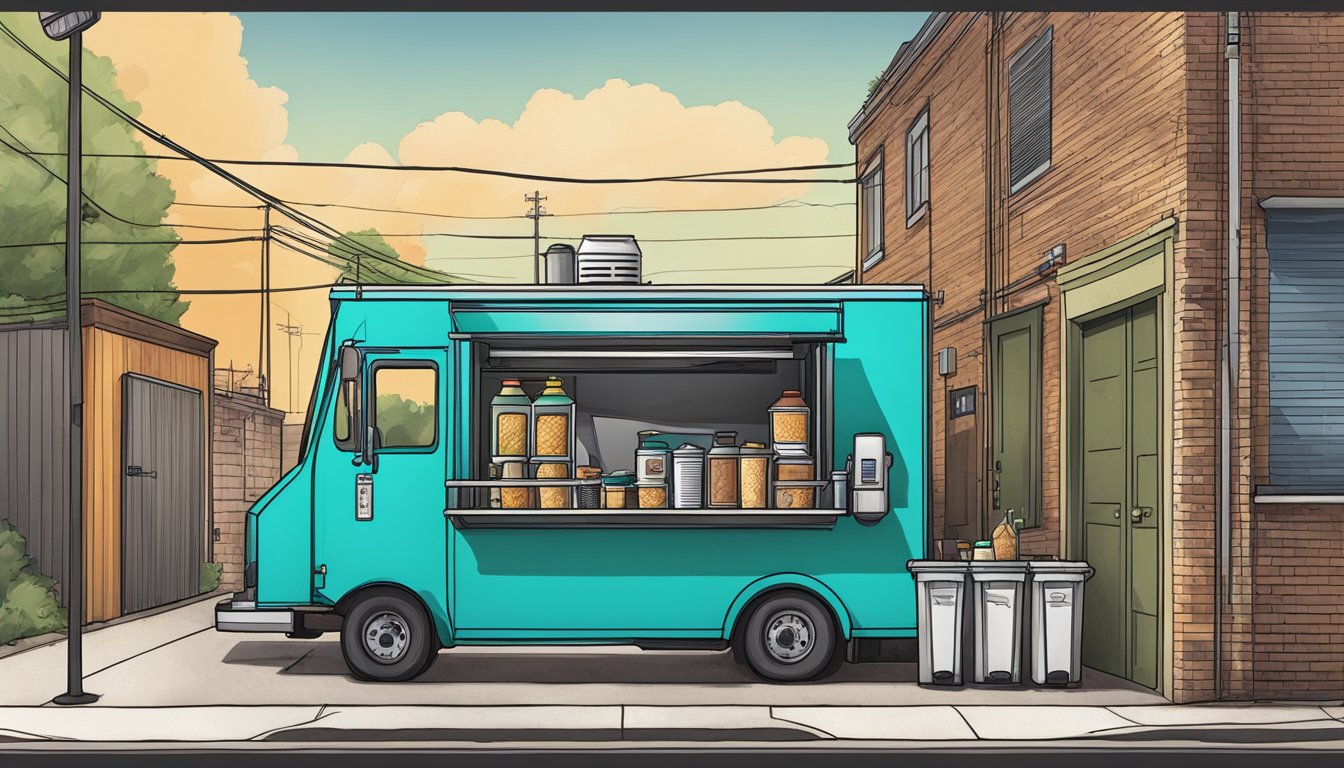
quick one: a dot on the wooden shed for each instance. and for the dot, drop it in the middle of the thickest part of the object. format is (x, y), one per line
(146, 454)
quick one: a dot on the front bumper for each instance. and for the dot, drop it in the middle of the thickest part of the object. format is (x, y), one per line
(233, 615)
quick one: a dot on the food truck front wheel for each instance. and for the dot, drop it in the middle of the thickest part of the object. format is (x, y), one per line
(387, 636)
(789, 636)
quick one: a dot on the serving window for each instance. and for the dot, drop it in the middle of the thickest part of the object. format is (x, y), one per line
(684, 392)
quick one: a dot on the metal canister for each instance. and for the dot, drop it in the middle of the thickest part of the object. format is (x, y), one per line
(688, 476)
(589, 496)
(651, 461)
(839, 489)
(754, 475)
(721, 467)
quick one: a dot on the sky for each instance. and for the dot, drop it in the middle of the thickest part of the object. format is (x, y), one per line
(560, 94)
(373, 76)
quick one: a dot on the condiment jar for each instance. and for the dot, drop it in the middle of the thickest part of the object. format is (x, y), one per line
(651, 461)
(721, 467)
(553, 423)
(617, 488)
(688, 476)
(790, 424)
(510, 414)
(753, 475)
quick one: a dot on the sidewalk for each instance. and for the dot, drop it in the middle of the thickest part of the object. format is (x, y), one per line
(1298, 724)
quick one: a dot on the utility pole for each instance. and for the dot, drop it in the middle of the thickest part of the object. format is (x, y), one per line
(535, 215)
(290, 330)
(266, 294)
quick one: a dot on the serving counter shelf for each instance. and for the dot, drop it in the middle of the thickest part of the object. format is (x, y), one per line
(644, 518)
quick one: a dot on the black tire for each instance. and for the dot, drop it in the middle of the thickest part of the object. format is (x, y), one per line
(395, 624)
(789, 636)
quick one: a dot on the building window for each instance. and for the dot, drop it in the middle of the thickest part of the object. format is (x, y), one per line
(870, 203)
(1029, 111)
(917, 169)
(1306, 351)
(405, 412)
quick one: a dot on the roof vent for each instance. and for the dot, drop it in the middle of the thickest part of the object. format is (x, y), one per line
(609, 260)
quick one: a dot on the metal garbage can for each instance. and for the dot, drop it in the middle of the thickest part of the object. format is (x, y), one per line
(1057, 621)
(940, 590)
(999, 592)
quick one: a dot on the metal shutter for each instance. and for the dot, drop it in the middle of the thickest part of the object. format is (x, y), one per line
(1029, 110)
(1306, 348)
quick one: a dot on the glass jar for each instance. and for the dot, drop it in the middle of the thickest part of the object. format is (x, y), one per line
(753, 475)
(791, 425)
(721, 466)
(553, 423)
(510, 414)
(617, 489)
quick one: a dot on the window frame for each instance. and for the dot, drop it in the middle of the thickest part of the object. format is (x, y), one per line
(918, 131)
(1042, 42)
(412, 363)
(871, 257)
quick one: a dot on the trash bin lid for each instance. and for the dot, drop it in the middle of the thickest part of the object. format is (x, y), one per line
(998, 570)
(1062, 570)
(945, 567)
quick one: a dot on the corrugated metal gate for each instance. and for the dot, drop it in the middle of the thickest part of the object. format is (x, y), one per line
(163, 482)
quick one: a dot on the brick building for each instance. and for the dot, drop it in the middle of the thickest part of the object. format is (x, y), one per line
(1060, 181)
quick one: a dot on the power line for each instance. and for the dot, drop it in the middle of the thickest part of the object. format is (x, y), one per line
(724, 177)
(220, 241)
(23, 150)
(794, 203)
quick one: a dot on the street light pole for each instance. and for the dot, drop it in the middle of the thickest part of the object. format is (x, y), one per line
(59, 26)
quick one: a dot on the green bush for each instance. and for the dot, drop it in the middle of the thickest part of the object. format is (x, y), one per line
(210, 573)
(28, 603)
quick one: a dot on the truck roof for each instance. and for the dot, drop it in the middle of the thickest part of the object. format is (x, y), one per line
(352, 292)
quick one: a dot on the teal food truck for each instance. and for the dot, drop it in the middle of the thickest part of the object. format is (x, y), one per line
(684, 509)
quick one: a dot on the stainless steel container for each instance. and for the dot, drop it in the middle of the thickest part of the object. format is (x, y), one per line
(560, 268)
(651, 461)
(839, 489)
(688, 476)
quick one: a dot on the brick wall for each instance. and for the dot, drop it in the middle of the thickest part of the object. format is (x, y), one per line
(1293, 574)
(1140, 134)
(246, 447)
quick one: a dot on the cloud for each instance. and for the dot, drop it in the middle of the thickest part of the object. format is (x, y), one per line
(188, 74)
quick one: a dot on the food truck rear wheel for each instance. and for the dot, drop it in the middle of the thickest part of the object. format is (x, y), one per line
(789, 636)
(387, 637)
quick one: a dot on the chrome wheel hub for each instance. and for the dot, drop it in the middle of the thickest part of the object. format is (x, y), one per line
(386, 637)
(788, 636)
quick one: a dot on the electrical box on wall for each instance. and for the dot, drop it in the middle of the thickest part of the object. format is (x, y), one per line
(947, 361)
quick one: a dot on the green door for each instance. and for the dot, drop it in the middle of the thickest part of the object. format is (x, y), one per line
(1119, 492)
(1016, 407)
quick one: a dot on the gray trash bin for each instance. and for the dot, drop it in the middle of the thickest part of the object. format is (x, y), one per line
(940, 598)
(1057, 621)
(999, 593)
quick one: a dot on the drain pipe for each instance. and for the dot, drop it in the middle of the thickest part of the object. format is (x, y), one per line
(1232, 347)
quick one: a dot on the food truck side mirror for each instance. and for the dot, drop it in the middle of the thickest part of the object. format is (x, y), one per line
(870, 469)
(349, 363)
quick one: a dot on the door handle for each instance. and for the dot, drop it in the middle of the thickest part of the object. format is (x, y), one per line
(1137, 514)
(134, 470)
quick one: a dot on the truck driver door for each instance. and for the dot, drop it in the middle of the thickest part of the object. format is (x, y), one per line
(379, 494)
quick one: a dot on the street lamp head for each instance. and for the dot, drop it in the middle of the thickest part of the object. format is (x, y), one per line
(61, 24)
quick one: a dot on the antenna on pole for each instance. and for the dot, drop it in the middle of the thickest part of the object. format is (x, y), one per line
(535, 215)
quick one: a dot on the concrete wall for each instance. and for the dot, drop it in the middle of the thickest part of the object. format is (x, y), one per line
(246, 442)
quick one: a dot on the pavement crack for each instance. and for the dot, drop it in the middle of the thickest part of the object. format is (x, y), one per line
(321, 714)
(812, 728)
(962, 715)
(295, 663)
(1122, 717)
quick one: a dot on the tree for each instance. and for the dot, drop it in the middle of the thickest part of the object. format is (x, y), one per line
(121, 195)
(359, 249)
